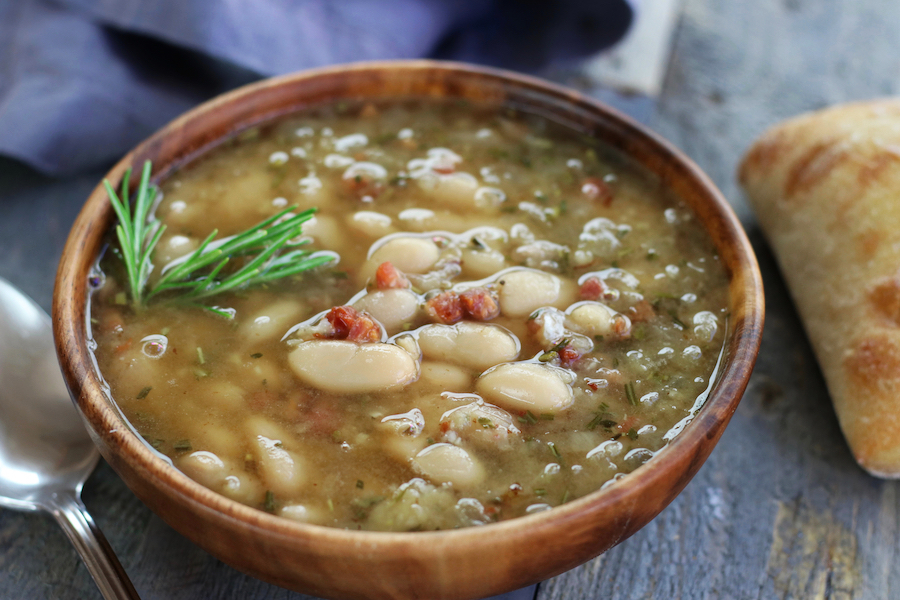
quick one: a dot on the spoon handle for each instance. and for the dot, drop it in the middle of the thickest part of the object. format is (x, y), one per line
(98, 556)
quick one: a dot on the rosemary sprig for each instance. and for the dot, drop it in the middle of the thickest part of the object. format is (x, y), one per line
(133, 229)
(267, 248)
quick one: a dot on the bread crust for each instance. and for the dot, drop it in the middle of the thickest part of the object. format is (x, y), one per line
(826, 189)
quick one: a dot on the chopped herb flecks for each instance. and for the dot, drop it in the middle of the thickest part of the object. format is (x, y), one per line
(548, 356)
(269, 502)
(528, 418)
(602, 418)
(629, 393)
(555, 451)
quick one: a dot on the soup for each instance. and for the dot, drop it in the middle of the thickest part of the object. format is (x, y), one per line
(513, 316)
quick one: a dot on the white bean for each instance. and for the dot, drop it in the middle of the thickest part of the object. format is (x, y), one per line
(257, 425)
(246, 198)
(480, 423)
(446, 463)
(410, 423)
(302, 513)
(178, 212)
(344, 367)
(242, 487)
(541, 253)
(409, 343)
(590, 318)
(408, 254)
(315, 192)
(412, 506)
(371, 224)
(272, 321)
(493, 237)
(467, 415)
(174, 247)
(281, 469)
(401, 434)
(325, 230)
(525, 386)
(455, 189)
(549, 326)
(222, 394)
(205, 468)
(402, 447)
(422, 220)
(482, 263)
(523, 291)
(393, 308)
(489, 197)
(417, 219)
(474, 345)
(446, 376)
(222, 441)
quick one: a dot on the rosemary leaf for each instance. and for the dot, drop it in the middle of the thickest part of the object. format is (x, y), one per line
(269, 502)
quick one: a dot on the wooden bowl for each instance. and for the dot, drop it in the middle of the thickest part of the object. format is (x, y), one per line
(467, 563)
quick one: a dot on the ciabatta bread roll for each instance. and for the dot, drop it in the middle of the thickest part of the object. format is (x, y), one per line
(826, 189)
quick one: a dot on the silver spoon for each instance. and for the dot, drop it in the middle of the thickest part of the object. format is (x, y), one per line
(45, 452)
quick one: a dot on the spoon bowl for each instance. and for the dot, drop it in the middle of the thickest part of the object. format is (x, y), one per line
(45, 452)
(44, 448)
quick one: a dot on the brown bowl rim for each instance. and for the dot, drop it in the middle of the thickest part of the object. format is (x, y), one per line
(105, 421)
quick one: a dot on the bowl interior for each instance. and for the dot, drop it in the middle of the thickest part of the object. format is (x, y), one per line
(459, 564)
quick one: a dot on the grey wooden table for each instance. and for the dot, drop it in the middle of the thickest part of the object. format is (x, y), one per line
(779, 511)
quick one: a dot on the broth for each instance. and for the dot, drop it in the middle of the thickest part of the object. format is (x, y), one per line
(520, 316)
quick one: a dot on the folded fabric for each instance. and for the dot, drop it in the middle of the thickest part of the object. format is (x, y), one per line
(82, 81)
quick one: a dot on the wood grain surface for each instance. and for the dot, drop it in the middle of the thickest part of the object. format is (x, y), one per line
(780, 510)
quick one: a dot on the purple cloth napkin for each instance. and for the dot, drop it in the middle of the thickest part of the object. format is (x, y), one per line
(82, 81)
